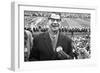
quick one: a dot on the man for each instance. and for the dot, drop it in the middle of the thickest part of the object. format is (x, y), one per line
(52, 45)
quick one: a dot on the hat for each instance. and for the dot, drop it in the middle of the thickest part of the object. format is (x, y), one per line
(55, 16)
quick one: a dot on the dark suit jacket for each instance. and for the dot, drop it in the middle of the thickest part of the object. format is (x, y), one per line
(42, 48)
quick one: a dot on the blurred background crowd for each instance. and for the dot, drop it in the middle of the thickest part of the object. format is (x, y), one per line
(74, 25)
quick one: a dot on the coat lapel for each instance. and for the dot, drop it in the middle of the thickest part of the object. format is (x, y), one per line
(48, 44)
(59, 41)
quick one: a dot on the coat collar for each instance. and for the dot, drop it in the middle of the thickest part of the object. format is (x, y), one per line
(49, 42)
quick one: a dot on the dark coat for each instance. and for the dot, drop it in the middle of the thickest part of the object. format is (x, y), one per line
(43, 50)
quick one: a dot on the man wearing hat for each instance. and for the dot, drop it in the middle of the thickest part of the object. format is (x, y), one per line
(52, 45)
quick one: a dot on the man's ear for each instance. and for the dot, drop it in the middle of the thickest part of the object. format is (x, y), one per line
(62, 20)
(60, 25)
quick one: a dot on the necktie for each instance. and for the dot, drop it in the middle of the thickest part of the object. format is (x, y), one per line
(54, 43)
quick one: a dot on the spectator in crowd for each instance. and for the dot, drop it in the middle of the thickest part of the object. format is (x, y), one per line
(27, 43)
(80, 49)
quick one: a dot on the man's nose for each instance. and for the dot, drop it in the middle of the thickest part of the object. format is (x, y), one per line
(55, 21)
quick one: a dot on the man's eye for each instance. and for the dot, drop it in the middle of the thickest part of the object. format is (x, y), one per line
(58, 20)
(55, 19)
(52, 20)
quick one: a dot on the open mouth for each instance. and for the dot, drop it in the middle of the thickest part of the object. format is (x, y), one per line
(55, 25)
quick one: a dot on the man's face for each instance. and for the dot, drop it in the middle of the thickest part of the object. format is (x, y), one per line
(54, 22)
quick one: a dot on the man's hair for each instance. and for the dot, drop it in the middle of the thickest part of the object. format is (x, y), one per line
(57, 13)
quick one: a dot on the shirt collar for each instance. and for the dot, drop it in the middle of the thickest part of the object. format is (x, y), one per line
(51, 36)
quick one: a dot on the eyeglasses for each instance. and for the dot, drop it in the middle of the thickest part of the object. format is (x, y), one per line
(52, 19)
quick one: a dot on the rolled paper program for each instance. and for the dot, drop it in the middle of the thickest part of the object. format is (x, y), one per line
(60, 51)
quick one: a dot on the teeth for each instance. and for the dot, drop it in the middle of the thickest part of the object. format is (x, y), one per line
(55, 25)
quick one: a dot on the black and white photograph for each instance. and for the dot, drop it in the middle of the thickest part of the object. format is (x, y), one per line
(50, 35)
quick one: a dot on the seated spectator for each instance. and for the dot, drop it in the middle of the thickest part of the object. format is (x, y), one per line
(27, 43)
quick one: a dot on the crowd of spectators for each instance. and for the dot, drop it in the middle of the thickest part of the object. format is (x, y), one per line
(81, 44)
(40, 29)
